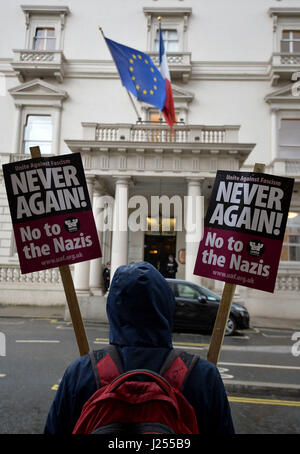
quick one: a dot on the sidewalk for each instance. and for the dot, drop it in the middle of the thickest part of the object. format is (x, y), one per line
(58, 312)
(32, 311)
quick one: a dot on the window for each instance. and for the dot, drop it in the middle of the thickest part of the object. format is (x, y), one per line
(38, 132)
(209, 295)
(289, 132)
(174, 24)
(186, 291)
(290, 42)
(44, 39)
(156, 117)
(291, 243)
(158, 135)
(170, 38)
(45, 25)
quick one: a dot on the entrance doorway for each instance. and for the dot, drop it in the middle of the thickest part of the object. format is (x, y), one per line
(157, 250)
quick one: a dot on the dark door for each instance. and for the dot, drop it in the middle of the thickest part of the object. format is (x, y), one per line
(192, 310)
(157, 250)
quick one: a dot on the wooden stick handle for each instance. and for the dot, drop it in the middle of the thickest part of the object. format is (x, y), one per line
(220, 323)
(74, 310)
(224, 308)
(71, 296)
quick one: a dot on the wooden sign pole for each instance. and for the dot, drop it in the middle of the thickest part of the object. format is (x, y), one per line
(71, 296)
(224, 309)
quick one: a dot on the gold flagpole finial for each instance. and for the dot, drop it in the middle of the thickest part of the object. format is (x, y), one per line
(159, 18)
(100, 30)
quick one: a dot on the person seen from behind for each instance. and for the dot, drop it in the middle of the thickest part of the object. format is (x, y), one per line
(140, 308)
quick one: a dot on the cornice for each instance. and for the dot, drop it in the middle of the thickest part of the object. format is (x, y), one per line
(284, 12)
(213, 70)
(45, 9)
(104, 69)
(164, 147)
(175, 11)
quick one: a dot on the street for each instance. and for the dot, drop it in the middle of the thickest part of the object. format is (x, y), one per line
(259, 368)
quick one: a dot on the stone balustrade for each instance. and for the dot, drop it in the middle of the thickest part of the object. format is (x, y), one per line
(38, 63)
(144, 132)
(11, 274)
(280, 58)
(288, 278)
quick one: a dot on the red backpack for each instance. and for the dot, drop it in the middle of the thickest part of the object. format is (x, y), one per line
(123, 403)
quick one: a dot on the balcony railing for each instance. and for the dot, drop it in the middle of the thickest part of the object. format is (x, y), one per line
(283, 65)
(37, 63)
(12, 157)
(179, 64)
(161, 133)
(280, 58)
(288, 276)
(11, 274)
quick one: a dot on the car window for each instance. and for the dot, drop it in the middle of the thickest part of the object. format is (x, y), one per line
(187, 291)
(210, 296)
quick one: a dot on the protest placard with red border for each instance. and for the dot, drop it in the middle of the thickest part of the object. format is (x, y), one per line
(244, 229)
(51, 212)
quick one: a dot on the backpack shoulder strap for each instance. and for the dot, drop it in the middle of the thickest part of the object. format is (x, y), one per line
(106, 364)
(177, 368)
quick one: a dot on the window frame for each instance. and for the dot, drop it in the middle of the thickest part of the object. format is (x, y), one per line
(286, 151)
(289, 40)
(287, 244)
(23, 145)
(161, 120)
(171, 18)
(37, 97)
(42, 16)
(38, 23)
(45, 40)
(284, 19)
(167, 40)
(280, 127)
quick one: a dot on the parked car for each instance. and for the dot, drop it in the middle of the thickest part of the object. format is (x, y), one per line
(196, 309)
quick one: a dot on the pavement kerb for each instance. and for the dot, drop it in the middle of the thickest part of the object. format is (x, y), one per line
(262, 389)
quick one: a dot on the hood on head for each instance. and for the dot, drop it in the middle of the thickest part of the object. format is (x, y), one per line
(140, 307)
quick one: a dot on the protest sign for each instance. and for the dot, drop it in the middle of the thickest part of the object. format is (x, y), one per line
(244, 229)
(46, 194)
(51, 212)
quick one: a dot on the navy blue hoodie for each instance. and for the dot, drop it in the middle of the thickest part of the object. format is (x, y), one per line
(140, 308)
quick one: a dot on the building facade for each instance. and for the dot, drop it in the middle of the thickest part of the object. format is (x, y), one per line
(235, 71)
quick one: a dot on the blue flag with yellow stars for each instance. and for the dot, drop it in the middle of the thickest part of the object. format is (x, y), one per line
(139, 74)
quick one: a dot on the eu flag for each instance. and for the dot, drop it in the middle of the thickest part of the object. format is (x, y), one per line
(139, 74)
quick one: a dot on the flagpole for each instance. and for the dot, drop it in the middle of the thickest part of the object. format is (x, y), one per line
(159, 29)
(159, 21)
(133, 105)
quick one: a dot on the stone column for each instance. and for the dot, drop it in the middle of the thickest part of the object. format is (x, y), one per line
(82, 269)
(193, 221)
(96, 265)
(120, 225)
